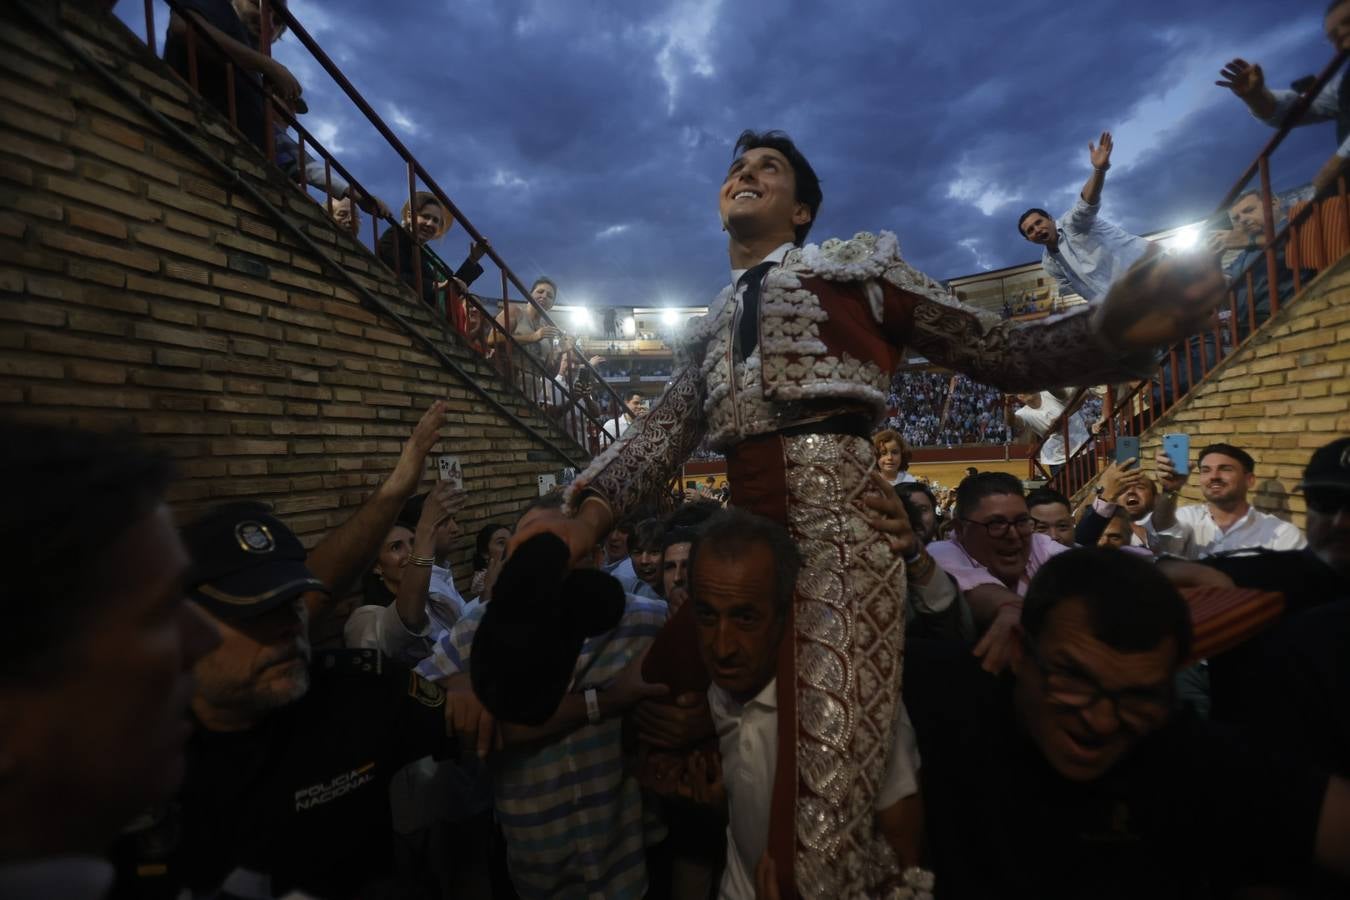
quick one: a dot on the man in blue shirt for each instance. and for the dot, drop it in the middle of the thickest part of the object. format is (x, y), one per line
(1084, 253)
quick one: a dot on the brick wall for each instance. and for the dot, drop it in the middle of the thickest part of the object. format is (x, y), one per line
(137, 292)
(1279, 398)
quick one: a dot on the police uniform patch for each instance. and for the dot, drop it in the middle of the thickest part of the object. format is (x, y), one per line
(253, 537)
(425, 692)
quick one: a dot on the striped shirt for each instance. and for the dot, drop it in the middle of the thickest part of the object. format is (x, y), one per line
(570, 813)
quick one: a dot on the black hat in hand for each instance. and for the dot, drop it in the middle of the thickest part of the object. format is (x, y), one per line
(526, 648)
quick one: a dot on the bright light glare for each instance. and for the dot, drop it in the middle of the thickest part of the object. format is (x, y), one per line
(670, 318)
(1186, 238)
(581, 317)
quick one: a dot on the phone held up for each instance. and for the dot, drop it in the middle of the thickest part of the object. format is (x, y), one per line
(1178, 450)
(1127, 447)
(449, 469)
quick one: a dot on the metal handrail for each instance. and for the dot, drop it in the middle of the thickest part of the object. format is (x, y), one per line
(415, 166)
(1148, 400)
(535, 381)
(133, 98)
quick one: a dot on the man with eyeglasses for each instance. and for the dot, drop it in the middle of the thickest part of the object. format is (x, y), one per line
(993, 554)
(1074, 774)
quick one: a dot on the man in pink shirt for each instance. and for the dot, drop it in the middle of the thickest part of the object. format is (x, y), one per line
(993, 554)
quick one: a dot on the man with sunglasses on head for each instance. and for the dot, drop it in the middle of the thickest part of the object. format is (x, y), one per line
(993, 554)
(1076, 775)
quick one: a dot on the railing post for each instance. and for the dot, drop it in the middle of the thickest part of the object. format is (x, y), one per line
(1268, 216)
(265, 27)
(1345, 204)
(328, 193)
(150, 26)
(416, 257)
(191, 33)
(231, 101)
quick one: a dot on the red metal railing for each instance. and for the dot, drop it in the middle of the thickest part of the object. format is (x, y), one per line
(1308, 241)
(565, 396)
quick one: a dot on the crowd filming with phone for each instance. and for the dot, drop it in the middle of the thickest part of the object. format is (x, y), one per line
(327, 578)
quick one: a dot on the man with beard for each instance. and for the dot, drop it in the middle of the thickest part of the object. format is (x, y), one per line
(1084, 253)
(675, 567)
(788, 373)
(921, 506)
(289, 762)
(1316, 576)
(1226, 521)
(289, 765)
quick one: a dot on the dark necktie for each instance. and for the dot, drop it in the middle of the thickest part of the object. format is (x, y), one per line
(749, 329)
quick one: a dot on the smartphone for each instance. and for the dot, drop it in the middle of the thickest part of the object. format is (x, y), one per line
(547, 483)
(1178, 450)
(448, 469)
(1127, 447)
(691, 485)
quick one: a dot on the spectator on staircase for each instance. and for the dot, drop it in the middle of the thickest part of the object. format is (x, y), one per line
(1247, 81)
(1084, 253)
(429, 221)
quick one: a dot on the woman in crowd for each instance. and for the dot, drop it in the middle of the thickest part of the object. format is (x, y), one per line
(489, 551)
(403, 573)
(427, 220)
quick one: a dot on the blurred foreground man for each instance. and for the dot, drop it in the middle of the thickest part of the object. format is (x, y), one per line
(98, 649)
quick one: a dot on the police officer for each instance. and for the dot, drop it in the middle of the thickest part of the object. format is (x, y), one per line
(289, 763)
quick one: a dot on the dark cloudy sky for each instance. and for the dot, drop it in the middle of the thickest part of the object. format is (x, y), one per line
(588, 139)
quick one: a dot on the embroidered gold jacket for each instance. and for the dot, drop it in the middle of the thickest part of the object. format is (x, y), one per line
(834, 320)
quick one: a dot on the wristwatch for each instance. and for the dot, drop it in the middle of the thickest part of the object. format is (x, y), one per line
(592, 706)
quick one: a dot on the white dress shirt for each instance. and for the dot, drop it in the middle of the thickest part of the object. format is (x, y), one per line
(1195, 534)
(747, 736)
(775, 255)
(616, 426)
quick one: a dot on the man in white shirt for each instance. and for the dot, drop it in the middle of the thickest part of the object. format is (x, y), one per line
(635, 406)
(1225, 521)
(744, 572)
(1038, 414)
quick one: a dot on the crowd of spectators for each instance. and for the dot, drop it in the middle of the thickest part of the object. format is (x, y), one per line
(934, 409)
(1097, 696)
(1135, 698)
